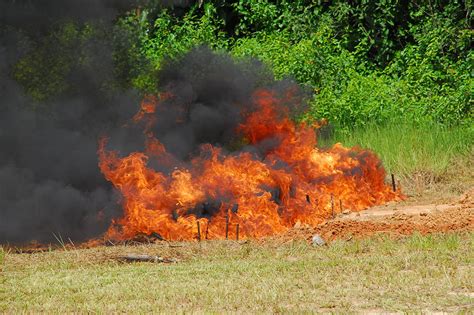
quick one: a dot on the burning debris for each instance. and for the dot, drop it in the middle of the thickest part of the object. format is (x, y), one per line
(222, 149)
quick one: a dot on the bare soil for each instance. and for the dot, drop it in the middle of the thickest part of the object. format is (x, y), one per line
(396, 220)
(393, 219)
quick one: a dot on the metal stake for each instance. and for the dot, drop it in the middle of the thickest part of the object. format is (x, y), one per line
(227, 225)
(332, 205)
(237, 232)
(199, 231)
(393, 183)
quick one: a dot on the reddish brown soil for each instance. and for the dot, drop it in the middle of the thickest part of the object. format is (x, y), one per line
(395, 220)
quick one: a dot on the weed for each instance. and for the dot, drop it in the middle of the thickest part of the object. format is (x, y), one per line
(2, 257)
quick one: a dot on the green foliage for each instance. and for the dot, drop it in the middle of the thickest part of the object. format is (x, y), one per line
(365, 61)
(42, 71)
(380, 98)
(46, 68)
(170, 36)
(317, 61)
(296, 17)
(423, 64)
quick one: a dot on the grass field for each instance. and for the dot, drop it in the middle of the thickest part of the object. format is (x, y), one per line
(424, 158)
(418, 273)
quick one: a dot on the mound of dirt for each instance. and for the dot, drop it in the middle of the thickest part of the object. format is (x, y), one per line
(395, 221)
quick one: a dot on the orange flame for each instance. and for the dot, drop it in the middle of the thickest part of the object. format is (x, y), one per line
(294, 182)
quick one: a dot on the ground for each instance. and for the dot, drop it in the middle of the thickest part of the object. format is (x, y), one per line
(400, 257)
(398, 219)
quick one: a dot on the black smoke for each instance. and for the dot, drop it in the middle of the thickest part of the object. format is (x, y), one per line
(37, 16)
(209, 96)
(208, 92)
(50, 185)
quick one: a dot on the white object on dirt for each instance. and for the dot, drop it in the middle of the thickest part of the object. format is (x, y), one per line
(317, 240)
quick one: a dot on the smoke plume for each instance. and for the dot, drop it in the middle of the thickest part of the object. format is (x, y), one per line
(206, 96)
(50, 185)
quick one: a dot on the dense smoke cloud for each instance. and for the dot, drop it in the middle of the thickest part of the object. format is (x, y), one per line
(38, 15)
(49, 180)
(50, 183)
(209, 92)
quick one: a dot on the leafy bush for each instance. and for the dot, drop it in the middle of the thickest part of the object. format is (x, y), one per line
(428, 72)
(365, 61)
(43, 69)
(170, 36)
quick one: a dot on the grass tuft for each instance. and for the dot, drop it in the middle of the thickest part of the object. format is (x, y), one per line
(2, 256)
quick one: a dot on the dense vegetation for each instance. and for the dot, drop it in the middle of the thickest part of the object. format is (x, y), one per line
(369, 61)
(366, 63)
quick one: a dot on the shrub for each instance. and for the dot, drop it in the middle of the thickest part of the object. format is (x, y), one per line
(364, 61)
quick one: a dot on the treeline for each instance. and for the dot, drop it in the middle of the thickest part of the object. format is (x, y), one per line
(364, 61)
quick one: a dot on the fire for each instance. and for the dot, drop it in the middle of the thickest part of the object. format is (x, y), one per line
(292, 182)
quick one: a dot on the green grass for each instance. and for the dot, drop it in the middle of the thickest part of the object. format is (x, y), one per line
(418, 273)
(419, 155)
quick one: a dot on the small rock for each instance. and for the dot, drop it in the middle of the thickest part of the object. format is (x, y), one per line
(317, 240)
(346, 211)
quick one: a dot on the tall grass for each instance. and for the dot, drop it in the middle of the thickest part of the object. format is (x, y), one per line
(425, 153)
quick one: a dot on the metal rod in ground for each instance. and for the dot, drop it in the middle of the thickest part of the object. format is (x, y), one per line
(340, 205)
(227, 225)
(237, 232)
(394, 187)
(332, 205)
(199, 231)
(207, 229)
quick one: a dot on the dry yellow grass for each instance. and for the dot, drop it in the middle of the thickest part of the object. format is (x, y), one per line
(422, 273)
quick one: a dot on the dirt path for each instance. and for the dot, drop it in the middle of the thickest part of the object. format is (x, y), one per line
(396, 220)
